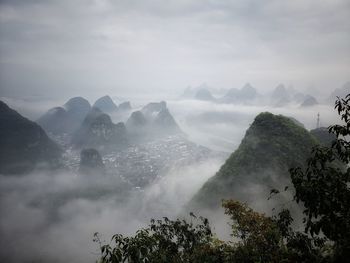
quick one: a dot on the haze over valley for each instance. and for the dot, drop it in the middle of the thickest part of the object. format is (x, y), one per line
(113, 113)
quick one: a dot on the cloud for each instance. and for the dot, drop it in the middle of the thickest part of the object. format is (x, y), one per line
(52, 217)
(116, 45)
(222, 126)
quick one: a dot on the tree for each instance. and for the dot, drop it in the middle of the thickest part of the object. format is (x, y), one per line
(259, 235)
(166, 241)
(323, 187)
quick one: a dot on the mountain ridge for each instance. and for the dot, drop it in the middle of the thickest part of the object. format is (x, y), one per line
(271, 145)
(24, 144)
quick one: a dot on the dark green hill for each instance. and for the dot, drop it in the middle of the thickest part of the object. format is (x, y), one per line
(271, 146)
(24, 145)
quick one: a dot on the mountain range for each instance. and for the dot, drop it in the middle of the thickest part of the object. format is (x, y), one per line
(279, 97)
(69, 117)
(65, 119)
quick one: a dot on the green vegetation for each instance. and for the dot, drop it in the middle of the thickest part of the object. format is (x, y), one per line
(260, 239)
(271, 146)
(321, 185)
(324, 187)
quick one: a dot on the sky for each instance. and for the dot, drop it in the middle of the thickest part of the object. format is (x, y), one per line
(55, 48)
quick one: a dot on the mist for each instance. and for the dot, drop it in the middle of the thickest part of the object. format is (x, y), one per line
(151, 54)
(51, 218)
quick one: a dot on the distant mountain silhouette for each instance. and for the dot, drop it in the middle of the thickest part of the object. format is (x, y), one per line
(153, 108)
(248, 92)
(309, 101)
(105, 104)
(125, 106)
(98, 131)
(280, 96)
(24, 144)
(152, 122)
(166, 123)
(245, 94)
(201, 92)
(65, 119)
(157, 114)
(204, 94)
(136, 120)
(77, 108)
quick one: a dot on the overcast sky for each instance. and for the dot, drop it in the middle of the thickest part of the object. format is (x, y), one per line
(70, 47)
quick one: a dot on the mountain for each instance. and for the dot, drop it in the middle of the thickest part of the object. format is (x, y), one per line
(204, 94)
(245, 94)
(77, 108)
(105, 104)
(248, 92)
(339, 92)
(153, 108)
(24, 144)
(272, 145)
(323, 136)
(66, 119)
(280, 96)
(136, 120)
(137, 126)
(231, 95)
(91, 162)
(309, 101)
(160, 120)
(55, 120)
(165, 123)
(152, 122)
(98, 131)
(125, 106)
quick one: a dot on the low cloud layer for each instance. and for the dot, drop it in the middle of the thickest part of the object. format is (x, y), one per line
(222, 126)
(52, 218)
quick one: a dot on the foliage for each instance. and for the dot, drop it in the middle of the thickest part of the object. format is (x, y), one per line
(323, 187)
(259, 239)
(259, 235)
(166, 241)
